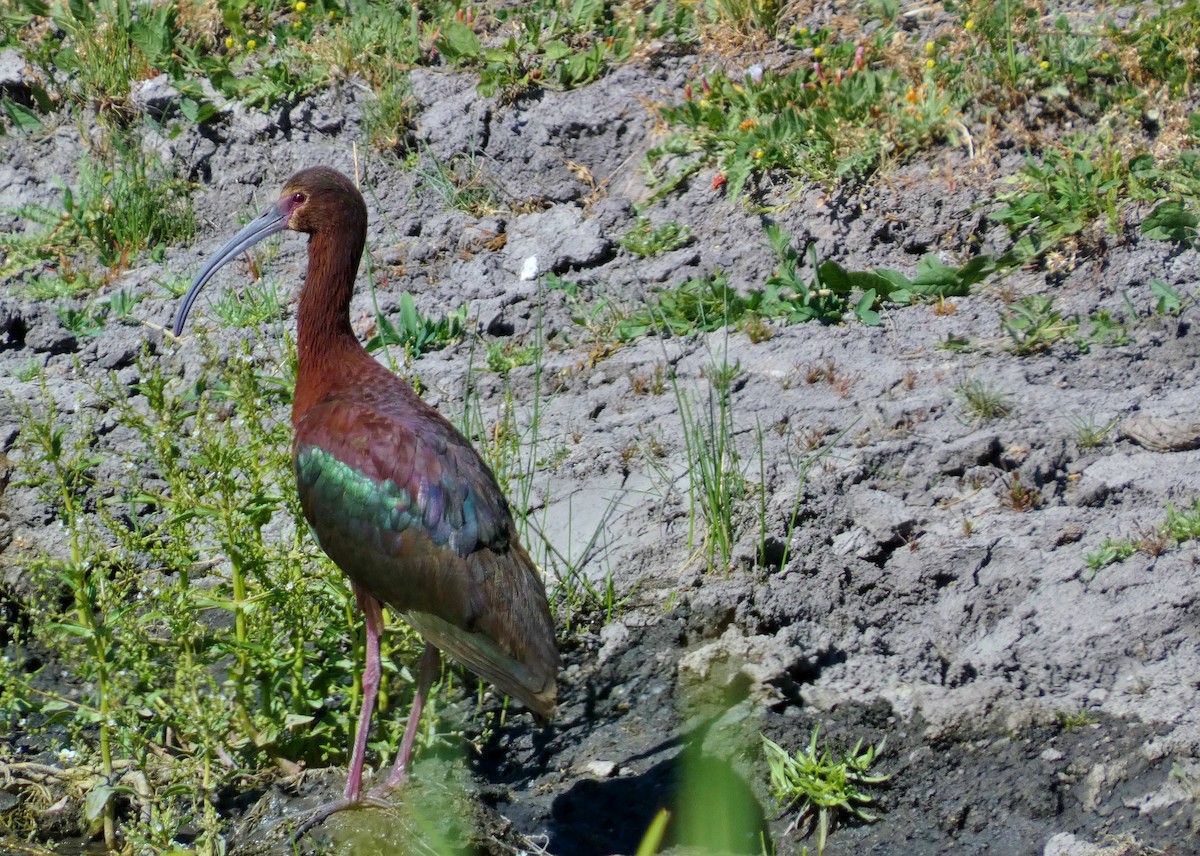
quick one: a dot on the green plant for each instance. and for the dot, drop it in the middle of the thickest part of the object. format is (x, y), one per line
(460, 184)
(503, 357)
(646, 239)
(1169, 301)
(206, 650)
(705, 304)
(1034, 324)
(1089, 435)
(1178, 526)
(981, 401)
(1075, 720)
(254, 303)
(839, 117)
(1059, 197)
(417, 333)
(820, 789)
(122, 204)
(572, 45)
(716, 479)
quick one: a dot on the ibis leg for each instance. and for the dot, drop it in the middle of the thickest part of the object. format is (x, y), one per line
(373, 611)
(430, 661)
(370, 687)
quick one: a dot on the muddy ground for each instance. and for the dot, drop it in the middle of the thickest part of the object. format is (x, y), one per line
(918, 602)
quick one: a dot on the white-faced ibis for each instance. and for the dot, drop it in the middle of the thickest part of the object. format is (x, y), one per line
(397, 497)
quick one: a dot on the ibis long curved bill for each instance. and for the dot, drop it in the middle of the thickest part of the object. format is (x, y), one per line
(274, 219)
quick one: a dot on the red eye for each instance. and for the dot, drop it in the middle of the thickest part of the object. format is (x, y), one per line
(298, 198)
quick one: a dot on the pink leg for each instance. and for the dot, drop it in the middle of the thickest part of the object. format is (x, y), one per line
(373, 611)
(430, 661)
(370, 686)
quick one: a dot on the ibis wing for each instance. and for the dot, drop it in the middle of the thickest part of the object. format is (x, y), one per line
(409, 511)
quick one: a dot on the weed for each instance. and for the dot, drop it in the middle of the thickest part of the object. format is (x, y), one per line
(716, 483)
(1020, 498)
(573, 46)
(1060, 196)
(123, 204)
(1168, 300)
(503, 357)
(1075, 720)
(1179, 526)
(1034, 324)
(981, 401)
(459, 184)
(653, 384)
(834, 119)
(1089, 435)
(172, 545)
(417, 333)
(646, 239)
(254, 303)
(818, 788)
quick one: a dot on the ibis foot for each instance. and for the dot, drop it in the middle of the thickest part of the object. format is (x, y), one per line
(375, 799)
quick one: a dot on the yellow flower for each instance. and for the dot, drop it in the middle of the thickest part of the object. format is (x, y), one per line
(229, 43)
(1044, 65)
(252, 44)
(300, 6)
(803, 31)
(931, 63)
(703, 102)
(758, 154)
(970, 25)
(296, 24)
(930, 48)
(818, 52)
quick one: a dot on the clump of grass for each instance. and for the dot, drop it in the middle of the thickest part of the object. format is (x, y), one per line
(716, 477)
(1088, 434)
(981, 401)
(124, 203)
(820, 789)
(416, 332)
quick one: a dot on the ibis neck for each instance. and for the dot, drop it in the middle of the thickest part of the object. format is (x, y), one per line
(326, 343)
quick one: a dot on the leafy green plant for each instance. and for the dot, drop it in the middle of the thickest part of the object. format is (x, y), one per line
(1178, 527)
(820, 789)
(1171, 221)
(710, 303)
(1168, 301)
(646, 239)
(417, 333)
(205, 650)
(566, 48)
(1034, 324)
(503, 357)
(837, 118)
(1059, 197)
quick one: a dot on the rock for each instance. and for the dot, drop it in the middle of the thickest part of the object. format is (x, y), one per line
(560, 238)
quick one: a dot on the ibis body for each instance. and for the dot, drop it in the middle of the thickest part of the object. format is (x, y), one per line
(395, 494)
